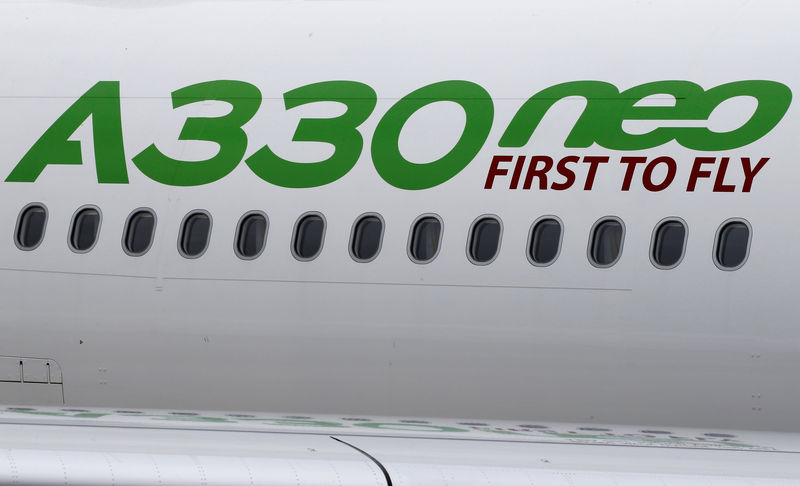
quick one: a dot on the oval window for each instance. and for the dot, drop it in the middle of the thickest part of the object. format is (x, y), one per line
(251, 236)
(309, 234)
(668, 245)
(365, 242)
(606, 243)
(139, 232)
(30, 227)
(426, 235)
(484, 241)
(545, 241)
(195, 234)
(733, 242)
(85, 227)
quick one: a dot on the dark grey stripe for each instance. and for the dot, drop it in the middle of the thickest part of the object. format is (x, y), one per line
(383, 469)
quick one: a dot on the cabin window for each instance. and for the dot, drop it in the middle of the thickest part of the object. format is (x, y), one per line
(669, 242)
(484, 240)
(30, 227)
(733, 245)
(366, 238)
(139, 232)
(545, 241)
(309, 235)
(426, 235)
(195, 234)
(85, 228)
(605, 246)
(251, 235)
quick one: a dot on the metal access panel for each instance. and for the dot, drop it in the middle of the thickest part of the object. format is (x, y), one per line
(30, 381)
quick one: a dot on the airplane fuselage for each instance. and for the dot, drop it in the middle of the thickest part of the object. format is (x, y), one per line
(401, 112)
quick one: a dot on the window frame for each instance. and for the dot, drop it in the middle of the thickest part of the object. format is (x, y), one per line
(592, 233)
(19, 221)
(182, 228)
(353, 235)
(528, 250)
(414, 224)
(668, 219)
(71, 228)
(126, 230)
(471, 236)
(238, 233)
(293, 243)
(717, 236)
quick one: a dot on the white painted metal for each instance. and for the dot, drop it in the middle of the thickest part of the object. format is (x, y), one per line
(419, 428)
(10, 369)
(178, 454)
(37, 455)
(34, 371)
(692, 346)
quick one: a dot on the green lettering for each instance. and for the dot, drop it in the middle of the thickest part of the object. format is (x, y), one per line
(226, 131)
(409, 427)
(401, 173)
(773, 101)
(101, 103)
(687, 96)
(602, 108)
(607, 109)
(341, 132)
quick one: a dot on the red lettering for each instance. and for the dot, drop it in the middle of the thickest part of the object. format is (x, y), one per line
(647, 177)
(517, 172)
(534, 171)
(718, 181)
(593, 162)
(540, 165)
(698, 172)
(495, 170)
(631, 161)
(563, 170)
(750, 173)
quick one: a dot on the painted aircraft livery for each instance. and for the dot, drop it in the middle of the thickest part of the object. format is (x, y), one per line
(382, 242)
(600, 123)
